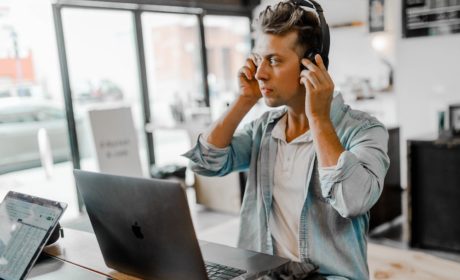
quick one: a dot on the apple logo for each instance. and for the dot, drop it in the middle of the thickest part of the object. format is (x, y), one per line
(137, 231)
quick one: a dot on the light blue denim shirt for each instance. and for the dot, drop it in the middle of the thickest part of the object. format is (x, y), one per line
(335, 215)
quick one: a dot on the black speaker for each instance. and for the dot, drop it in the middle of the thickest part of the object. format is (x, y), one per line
(434, 194)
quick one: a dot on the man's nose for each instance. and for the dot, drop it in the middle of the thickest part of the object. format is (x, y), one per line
(262, 71)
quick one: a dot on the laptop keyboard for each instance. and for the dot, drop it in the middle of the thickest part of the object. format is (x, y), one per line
(218, 271)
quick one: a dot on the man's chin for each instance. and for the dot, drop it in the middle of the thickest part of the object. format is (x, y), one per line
(270, 102)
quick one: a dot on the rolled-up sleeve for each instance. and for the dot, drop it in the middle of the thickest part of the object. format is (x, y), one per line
(209, 160)
(354, 185)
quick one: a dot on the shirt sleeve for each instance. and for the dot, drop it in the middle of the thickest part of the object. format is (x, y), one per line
(209, 146)
(354, 185)
(208, 160)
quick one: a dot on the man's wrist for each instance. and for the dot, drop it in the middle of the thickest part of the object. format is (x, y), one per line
(320, 121)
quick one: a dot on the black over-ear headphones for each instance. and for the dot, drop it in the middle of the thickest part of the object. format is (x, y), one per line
(325, 39)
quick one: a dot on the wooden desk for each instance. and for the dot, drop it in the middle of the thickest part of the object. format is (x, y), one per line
(50, 268)
(81, 249)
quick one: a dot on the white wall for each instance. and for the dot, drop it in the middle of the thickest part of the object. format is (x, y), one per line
(427, 80)
(351, 55)
(335, 11)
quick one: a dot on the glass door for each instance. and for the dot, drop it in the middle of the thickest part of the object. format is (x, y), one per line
(103, 73)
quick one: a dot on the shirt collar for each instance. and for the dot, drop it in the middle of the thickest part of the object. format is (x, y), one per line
(279, 132)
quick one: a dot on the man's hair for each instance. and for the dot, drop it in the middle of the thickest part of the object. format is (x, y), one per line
(285, 17)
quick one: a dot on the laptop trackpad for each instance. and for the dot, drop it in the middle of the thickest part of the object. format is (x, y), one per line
(239, 258)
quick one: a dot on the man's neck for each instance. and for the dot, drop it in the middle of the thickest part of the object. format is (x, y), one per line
(296, 124)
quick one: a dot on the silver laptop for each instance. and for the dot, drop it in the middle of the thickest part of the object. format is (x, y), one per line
(26, 224)
(144, 228)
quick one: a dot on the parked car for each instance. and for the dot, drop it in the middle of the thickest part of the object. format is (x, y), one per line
(20, 120)
(26, 89)
(104, 90)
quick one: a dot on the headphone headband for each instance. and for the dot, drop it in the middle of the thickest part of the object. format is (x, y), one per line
(325, 37)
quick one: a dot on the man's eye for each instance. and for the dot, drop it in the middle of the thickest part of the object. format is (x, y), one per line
(273, 61)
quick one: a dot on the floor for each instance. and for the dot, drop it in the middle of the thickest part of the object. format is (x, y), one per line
(391, 234)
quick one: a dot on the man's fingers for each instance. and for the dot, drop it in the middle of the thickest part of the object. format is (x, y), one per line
(312, 66)
(251, 63)
(303, 81)
(309, 64)
(321, 73)
(315, 79)
(320, 62)
(306, 82)
(246, 72)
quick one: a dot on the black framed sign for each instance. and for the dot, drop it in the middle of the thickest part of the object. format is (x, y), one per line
(430, 17)
(376, 15)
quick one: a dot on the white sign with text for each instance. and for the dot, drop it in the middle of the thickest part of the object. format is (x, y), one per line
(115, 141)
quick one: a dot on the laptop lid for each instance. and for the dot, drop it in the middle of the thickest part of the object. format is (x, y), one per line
(26, 223)
(143, 226)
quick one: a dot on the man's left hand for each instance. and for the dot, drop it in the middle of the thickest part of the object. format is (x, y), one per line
(319, 89)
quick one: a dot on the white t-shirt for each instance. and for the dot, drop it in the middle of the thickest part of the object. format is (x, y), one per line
(289, 192)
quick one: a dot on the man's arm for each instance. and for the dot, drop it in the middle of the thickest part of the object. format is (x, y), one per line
(351, 181)
(221, 150)
(221, 132)
(327, 144)
(354, 185)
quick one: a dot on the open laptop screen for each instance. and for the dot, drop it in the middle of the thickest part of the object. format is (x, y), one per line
(26, 223)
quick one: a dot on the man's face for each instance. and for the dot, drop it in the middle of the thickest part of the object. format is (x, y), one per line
(278, 69)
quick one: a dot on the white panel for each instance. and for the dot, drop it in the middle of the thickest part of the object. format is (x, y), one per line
(115, 141)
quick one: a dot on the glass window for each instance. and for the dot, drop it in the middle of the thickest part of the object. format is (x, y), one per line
(228, 44)
(103, 72)
(32, 112)
(174, 75)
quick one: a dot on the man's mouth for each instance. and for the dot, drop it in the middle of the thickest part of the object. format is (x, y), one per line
(266, 91)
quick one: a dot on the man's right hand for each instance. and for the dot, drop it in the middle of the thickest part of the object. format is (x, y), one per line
(249, 87)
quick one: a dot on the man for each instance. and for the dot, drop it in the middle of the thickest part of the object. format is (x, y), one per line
(316, 167)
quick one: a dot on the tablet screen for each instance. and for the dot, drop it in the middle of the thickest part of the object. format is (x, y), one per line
(26, 223)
